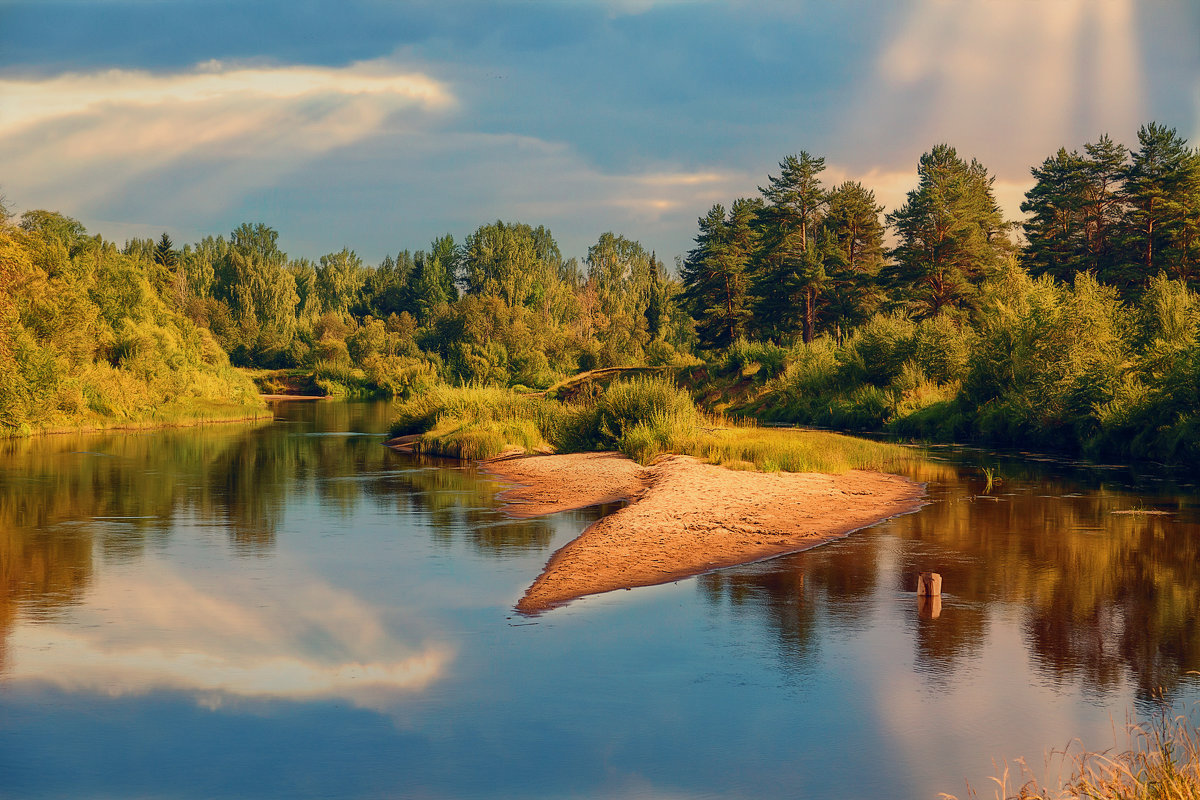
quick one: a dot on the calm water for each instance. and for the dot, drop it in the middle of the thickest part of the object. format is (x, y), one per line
(294, 611)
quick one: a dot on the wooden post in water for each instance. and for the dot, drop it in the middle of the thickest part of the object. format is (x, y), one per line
(929, 584)
(929, 607)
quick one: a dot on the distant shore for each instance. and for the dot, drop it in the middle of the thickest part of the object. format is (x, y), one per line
(234, 414)
(684, 517)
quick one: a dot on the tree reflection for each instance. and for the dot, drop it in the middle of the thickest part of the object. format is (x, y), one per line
(1104, 598)
(459, 502)
(67, 499)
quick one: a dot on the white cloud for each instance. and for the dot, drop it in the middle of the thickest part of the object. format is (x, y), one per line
(26, 102)
(76, 141)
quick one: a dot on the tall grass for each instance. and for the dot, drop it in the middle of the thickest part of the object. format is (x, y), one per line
(475, 422)
(1161, 762)
(643, 418)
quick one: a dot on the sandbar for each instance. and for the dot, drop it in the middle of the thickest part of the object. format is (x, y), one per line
(684, 517)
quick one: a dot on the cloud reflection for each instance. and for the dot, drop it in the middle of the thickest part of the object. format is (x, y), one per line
(164, 631)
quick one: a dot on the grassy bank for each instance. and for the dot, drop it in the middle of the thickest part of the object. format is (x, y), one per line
(642, 418)
(171, 415)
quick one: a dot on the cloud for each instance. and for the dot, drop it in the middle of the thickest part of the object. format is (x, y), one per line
(1005, 80)
(31, 101)
(79, 140)
(164, 631)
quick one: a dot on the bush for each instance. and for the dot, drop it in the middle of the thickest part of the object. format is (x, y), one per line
(764, 360)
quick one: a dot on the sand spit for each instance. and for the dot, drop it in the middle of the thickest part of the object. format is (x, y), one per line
(685, 517)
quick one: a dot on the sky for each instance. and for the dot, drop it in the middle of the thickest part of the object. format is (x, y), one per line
(380, 125)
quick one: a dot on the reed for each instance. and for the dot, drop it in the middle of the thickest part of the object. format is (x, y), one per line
(1160, 762)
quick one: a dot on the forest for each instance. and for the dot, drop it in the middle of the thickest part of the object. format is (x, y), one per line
(1076, 330)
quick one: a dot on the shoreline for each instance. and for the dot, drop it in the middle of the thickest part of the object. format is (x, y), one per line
(684, 517)
(144, 425)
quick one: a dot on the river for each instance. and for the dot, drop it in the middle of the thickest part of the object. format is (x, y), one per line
(292, 610)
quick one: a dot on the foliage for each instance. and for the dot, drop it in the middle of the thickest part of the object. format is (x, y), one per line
(952, 235)
(1084, 339)
(88, 339)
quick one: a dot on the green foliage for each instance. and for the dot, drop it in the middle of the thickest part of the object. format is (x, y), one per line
(952, 234)
(87, 340)
(512, 261)
(1162, 197)
(716, 273)
(643, 418)
(1075, 212)
(763, 360)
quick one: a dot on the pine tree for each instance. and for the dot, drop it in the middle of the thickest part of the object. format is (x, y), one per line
(1075, 209)
(1162, 225)
(164, 253)
(789, 272)
(854, 224)
(715, 280)
(952, 233)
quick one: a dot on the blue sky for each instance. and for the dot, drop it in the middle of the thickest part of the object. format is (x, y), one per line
(380, 125)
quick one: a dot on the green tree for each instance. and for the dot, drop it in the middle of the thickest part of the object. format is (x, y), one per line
(1075, 211)
(790, 273)
(261, 294)
(340, 280)
(854, 223)
(164, 253)
(1162, 192)
(449, 256)
(54, 226)
(431, 286)
(952, 235)
(512, 261)
(716, 283)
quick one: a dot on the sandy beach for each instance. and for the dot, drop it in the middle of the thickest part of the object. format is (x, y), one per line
(684, 517)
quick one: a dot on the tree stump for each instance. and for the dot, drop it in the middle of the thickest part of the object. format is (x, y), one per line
(929, 584)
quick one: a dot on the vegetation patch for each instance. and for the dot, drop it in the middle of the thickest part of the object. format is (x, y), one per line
(643, 418)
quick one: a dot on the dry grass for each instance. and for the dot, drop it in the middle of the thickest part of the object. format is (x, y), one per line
(1160, 762)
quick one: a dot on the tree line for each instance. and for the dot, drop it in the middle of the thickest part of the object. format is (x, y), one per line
(866, 318)
(802, 259)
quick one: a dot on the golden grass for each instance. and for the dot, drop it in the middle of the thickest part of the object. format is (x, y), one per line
(1160, 762)
(644, 419)
(781, 450)
(475, 422)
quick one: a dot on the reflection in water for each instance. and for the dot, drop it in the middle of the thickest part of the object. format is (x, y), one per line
(1106, 591)
(457, 500)
(67, 499)
(163, 629)
(273, 610)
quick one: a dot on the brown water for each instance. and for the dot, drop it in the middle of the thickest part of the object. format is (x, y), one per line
(292, 610)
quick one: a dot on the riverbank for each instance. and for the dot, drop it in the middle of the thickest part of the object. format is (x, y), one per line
(684, 517)
(185, 417)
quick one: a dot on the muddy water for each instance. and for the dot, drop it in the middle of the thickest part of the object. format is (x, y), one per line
(292, 610)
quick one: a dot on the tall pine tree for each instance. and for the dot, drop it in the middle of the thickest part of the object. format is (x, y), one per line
(714, 274)
(790, 275)
(951, 231)
(1162, 194)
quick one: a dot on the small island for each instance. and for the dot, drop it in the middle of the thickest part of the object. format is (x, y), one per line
(684, 517)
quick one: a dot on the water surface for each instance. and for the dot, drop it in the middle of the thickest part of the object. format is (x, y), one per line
(293, 610)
